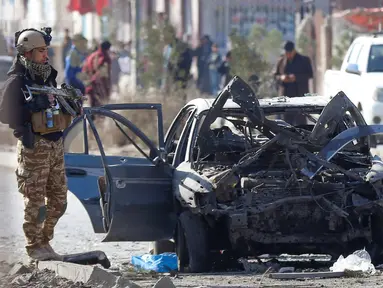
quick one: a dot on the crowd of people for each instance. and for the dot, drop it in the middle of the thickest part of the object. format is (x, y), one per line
(94, 68)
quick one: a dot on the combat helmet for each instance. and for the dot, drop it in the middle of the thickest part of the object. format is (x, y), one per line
(29, 39)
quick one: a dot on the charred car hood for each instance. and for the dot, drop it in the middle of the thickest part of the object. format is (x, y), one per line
(235, 89)
(242, 94)
(337, 110)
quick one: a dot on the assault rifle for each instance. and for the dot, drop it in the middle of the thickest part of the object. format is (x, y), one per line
(69, 97)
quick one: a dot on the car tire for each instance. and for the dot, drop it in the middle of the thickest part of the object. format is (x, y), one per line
(376, 248)
(192, 244)
(373, 141)
(163, 246)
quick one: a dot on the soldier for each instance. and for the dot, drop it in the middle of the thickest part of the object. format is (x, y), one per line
(40, 155)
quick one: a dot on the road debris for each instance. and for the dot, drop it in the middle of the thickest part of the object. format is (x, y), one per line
(286, 270)
(164, 282)
(302, 275)
(162, 263)
(90, 275)
(18, 269)
(360, 260)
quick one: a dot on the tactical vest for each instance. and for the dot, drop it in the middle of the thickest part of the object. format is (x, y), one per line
(38, 108)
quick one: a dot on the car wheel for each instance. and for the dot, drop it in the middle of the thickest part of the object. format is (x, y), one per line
(373, 141)
(376, 247)
(163, 246)
(192, 244)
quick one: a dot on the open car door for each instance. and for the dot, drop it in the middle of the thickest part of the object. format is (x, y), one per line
(136, 199)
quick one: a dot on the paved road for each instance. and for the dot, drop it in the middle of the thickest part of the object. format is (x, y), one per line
(73, 233)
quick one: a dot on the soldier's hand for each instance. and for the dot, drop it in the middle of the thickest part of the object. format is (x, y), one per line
(51, 99)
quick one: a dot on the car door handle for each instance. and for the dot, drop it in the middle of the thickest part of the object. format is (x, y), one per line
(75, 172)
(92, 201)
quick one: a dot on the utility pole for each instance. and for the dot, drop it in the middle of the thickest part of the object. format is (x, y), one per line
(380, 22)
(135, 32)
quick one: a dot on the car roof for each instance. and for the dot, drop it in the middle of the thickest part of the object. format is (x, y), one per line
(204, 104)
(370, 39)
(6, 58)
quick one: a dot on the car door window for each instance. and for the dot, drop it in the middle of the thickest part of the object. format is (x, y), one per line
(116, 141)
(86, 159)
(353, 58)
(375, 59)
(182, 147)
(174, 133)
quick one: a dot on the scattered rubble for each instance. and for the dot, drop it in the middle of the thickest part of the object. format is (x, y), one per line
(18, 269)
(164, 282)
(91, 275)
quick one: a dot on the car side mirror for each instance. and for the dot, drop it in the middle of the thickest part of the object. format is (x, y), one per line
(353, 69)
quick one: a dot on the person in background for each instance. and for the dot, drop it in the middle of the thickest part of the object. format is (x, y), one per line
(203, 54)
(115, 68)
(254, 83)
(179, 60)
(3, 44)
(224, 70)
(214, 63)
(94, 45)
(74, 62)
(66, 46)
(97, 67)
(293, 72)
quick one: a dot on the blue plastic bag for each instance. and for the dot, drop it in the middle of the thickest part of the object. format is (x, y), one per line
(161, 263)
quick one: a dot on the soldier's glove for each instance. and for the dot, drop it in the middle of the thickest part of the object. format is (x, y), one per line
(39, 103)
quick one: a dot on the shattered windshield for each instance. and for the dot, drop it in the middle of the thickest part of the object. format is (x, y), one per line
(233, 132)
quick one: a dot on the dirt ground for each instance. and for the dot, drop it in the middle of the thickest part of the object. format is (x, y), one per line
(47, 279)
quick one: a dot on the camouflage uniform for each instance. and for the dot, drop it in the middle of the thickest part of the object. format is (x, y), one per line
(40, 172)
(42, 181)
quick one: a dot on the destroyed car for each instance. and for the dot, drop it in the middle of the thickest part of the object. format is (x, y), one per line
(232, 175)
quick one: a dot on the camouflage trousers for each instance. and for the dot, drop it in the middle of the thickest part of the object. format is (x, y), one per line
(42, 181)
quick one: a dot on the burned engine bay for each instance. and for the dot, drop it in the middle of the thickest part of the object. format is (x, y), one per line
(312, 183)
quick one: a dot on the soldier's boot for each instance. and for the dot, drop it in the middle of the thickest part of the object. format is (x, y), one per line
(40, 254)
(54, 255)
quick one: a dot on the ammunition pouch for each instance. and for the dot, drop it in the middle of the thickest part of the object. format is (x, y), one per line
(60, 122)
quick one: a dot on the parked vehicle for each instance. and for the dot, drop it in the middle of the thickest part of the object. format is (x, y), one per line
(230, 175)
(361, 78)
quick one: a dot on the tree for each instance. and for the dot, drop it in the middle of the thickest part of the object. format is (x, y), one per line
(246, 60)
(256, 55)
(341, 49)
(266, 43)
(151, 62)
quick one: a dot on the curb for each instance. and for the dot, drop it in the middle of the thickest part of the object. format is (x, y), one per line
(89, 275)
